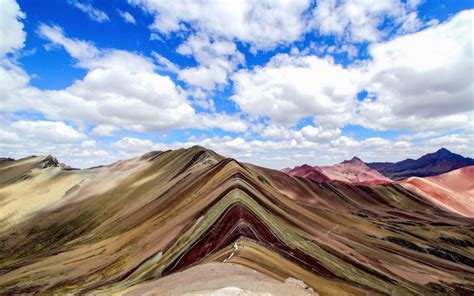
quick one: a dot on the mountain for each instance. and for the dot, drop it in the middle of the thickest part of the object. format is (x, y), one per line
(353, 171)
(190, 221)
(453, 191)
(308, 172)
(432, 164)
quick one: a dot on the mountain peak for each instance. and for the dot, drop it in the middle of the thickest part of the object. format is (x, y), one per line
(50, 161)
(354, 160)
(443, 151)
(304, 166)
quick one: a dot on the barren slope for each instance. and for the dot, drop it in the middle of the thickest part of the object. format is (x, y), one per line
(354, 171)
(143, 224)
(453, 191)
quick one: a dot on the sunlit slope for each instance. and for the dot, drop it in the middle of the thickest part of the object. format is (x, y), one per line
(453, 191)
(138, 225)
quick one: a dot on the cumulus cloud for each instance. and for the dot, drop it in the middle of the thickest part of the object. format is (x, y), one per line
(411, 24)
(422, 80)
(216, 58)
(12, 35)
(212, 28)
(262, 24)
(120, 89)
(92, 12)
(417, 81)
(232, 123)
(360, 20)
(54, 131)
(131, 145)
(26, 137)
(315, 134)
(460, 139)
(116, 82)
(292, 87)
(104, 130)
(266, 24)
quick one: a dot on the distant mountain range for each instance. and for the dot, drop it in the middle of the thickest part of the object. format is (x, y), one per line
(432, 164)
(353, 171)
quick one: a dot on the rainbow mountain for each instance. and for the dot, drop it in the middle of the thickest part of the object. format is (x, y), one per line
(193, 222)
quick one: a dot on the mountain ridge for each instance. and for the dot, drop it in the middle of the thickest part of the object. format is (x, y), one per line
(353, 171)
(431, 164)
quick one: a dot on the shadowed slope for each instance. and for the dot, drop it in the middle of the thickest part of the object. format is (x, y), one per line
(138, 221)
(432, 164)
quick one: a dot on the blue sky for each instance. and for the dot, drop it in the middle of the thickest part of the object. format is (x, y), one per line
(277, 84)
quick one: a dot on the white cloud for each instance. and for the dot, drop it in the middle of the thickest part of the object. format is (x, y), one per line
(12, 77)
(211, 28)
(104, 130)
(12, 35)
(134, 145)
(9, 137)
(276, 132)
(78, 49)
(92, 12)
(53, 131)
(423, 80)
(452, 139)
(411, 24)
(420, 135)
(165, 63)
(120, 89)
(203, 77)
(262, 24)
(154, 36)
(89, 144)
(317, 134)
(309, 133)
(126, 16)
(360, 20)
(416, 81)
(23, 138)
(232, 123)
(292, 87)
(288, 153)
(216, 58)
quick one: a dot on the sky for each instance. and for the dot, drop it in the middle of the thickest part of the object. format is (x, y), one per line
(274, 83)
